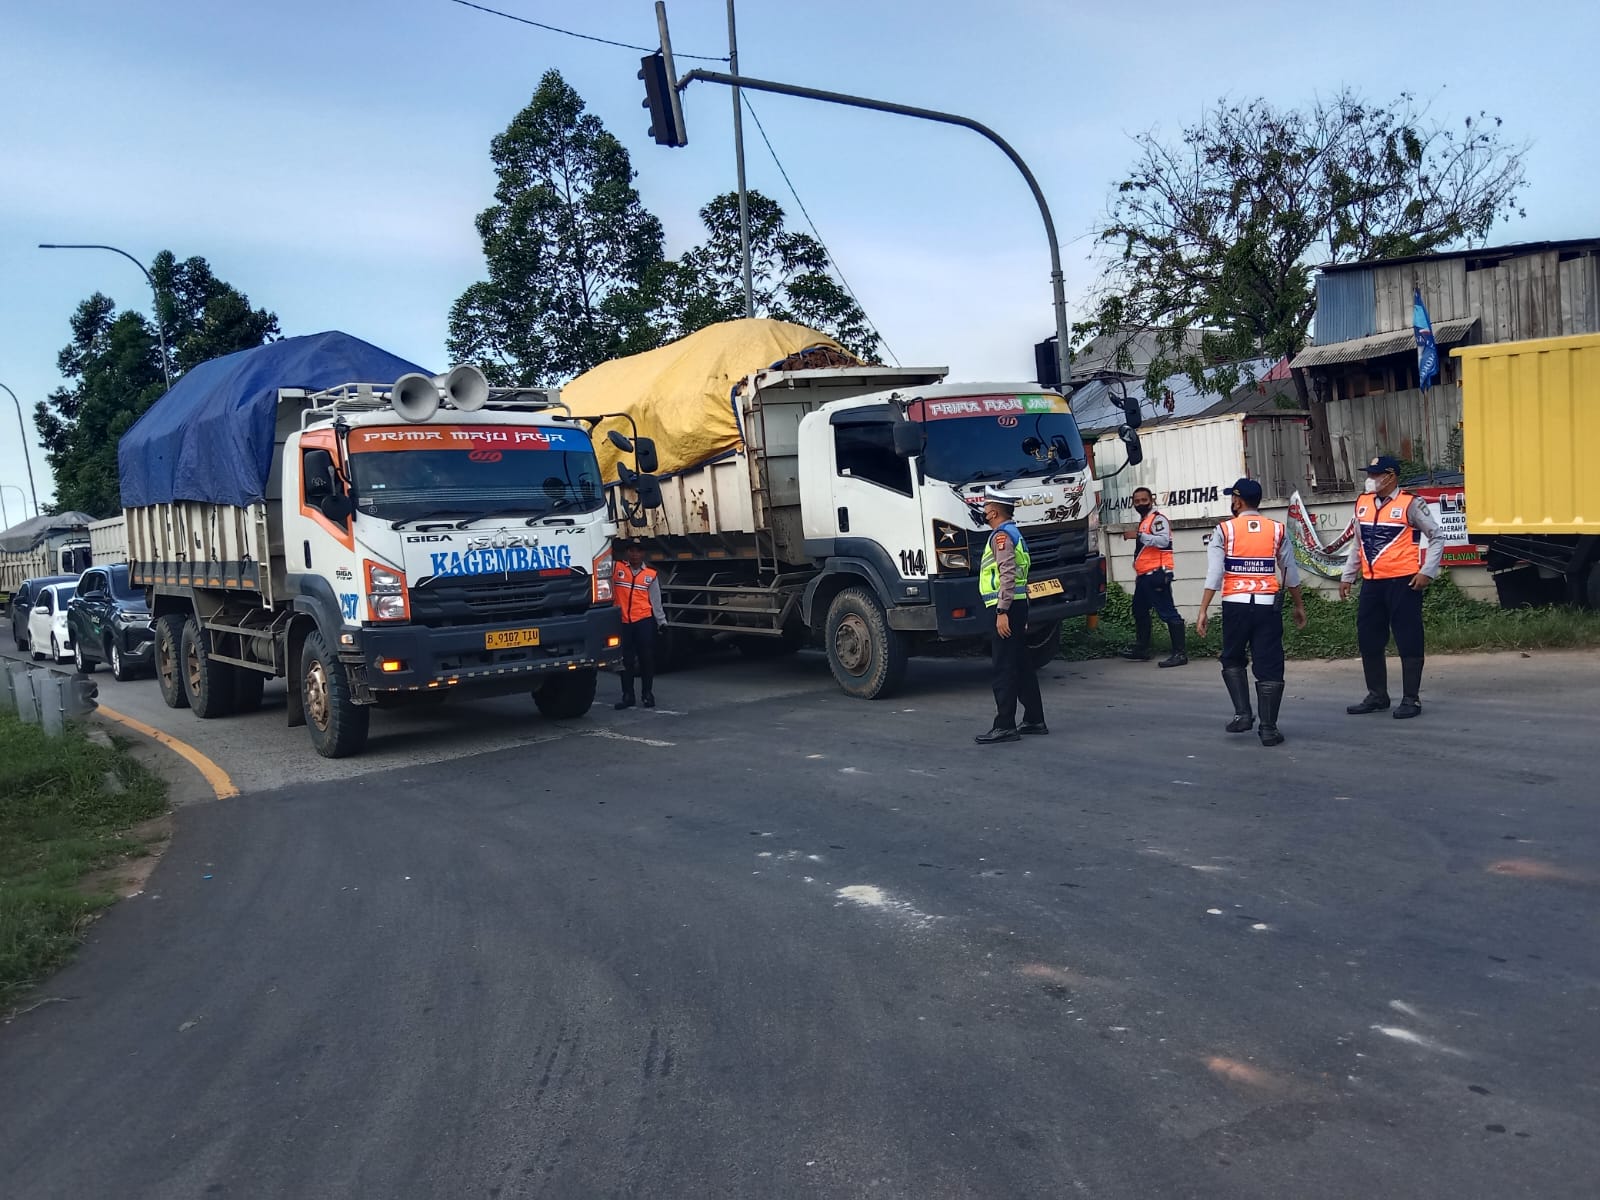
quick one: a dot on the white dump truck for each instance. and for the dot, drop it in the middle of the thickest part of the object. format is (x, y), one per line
(321, 511)
(839, 502)
(54, 544)
(108, 540)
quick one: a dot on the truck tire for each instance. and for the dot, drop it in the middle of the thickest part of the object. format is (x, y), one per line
(565, 696)
(867, 657)
(337, 724)
(169, 660)
(207, 682)
(1044, 643)
(247, 687)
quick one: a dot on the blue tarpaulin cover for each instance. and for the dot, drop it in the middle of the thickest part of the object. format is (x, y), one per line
(210, 437)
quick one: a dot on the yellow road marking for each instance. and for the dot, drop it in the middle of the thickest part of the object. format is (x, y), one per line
(219, 780)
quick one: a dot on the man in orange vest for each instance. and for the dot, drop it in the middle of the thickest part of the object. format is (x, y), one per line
(1152, 588)
(1394, 571)
(636, 590)
(1246, 555)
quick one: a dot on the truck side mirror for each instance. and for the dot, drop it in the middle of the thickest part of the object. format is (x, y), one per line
(644, 450)
(1131, 412)
(1130, 440)
(907, 438)
(620, 441)
(336, 506)
(648, 489)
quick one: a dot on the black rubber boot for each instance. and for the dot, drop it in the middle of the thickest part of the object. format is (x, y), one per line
(1136, 654)
(1268, 697)
(1180, 646)
(1411, 696)
(1376, 669)
(1238, 685)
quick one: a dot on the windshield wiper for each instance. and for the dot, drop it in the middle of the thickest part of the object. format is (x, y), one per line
(428, 516)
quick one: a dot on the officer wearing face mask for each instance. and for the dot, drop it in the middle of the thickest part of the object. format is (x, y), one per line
(1152, 589)
(1394, 571)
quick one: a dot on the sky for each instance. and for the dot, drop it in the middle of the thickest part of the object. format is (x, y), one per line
(328, 158)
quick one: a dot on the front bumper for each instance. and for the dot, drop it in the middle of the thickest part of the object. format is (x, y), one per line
(455, 656)
(138, 644)
(1083, 591)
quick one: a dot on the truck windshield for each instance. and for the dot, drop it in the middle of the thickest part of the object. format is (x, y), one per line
(998, 437)
(401, 472)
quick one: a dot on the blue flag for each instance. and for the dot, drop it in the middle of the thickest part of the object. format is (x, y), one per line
(1427, 349)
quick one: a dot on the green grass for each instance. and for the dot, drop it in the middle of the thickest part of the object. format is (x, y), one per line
(58, 822)
(1453, 621)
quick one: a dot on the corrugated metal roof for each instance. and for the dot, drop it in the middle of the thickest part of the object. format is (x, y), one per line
(1513, 248)
(1097, 405)
(1381, 344)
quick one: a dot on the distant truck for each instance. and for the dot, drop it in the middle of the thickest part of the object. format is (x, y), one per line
(49, 545)
(846, 506)
(374, 543)
(1530, 431)
(108, 541)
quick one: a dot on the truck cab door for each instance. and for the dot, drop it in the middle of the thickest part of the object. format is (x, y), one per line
(877, 499)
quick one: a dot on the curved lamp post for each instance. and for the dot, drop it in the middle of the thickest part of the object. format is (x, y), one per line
(161, 331)
(26, 457)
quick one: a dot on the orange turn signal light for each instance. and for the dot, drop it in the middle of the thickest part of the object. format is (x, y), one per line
(390, 665)
(613, 641)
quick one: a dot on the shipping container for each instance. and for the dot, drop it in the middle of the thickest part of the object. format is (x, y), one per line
(1530, 433)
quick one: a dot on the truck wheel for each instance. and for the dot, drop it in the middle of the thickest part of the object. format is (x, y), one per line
(337, 724)
(247, 685)
(565, 696)
(169, 660)
(867, 657)
(1044, 643)
(84, 666)
(207, 682)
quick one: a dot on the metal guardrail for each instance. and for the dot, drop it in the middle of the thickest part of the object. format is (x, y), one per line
(46, 698)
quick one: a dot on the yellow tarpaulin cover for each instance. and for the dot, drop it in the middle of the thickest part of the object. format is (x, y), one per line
(680, 394)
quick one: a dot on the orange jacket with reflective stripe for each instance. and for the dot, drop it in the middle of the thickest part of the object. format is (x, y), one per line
(1390, 547)
(1250, 544)
(1151, 558)
(631, 591)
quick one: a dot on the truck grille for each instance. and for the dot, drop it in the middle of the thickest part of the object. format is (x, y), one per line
(1051, 548)
(498, 599)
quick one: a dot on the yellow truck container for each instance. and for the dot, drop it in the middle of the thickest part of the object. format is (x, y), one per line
(1531, 441)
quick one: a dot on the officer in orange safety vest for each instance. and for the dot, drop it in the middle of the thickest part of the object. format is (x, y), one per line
(1394, 571)
(1245, 556)
(1152, 587)
(636, 590)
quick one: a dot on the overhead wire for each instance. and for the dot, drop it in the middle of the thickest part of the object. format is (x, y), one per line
(743, 95)
(588, 37)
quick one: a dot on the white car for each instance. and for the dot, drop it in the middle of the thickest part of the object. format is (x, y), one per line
(47, 623)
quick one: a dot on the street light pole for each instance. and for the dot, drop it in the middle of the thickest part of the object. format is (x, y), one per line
(1057, 284)
(161, 331)
(5, 515)
(738, 158)
(26, 457)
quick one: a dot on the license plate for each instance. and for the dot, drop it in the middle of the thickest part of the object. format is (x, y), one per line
(1045, 587)
(510, 639)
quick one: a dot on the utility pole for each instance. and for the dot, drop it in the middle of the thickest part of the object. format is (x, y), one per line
(26, 457)
(738, 156)
(161, 332)
(1057, 280)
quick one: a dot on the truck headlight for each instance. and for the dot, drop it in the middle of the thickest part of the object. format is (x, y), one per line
(950, 547)
(386, 593)
(602, 576)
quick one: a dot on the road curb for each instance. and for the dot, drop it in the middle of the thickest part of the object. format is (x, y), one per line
(217, 781)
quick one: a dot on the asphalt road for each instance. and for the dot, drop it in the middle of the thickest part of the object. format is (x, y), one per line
(788, 944)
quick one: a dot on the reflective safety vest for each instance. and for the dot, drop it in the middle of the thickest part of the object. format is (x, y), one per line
(1151, 558)
(1390, 547)
(989, 569)
(1250, 544)
(630, 590)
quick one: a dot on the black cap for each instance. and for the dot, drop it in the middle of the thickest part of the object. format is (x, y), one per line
(1247, 490)
(1382, 463)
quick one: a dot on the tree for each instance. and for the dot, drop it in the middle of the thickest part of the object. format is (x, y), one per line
(575, 260)
(1221, 233)
(113, 372)
(789, 273)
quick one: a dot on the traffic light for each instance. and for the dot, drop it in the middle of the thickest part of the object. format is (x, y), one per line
(1046, 363)
(661, 98)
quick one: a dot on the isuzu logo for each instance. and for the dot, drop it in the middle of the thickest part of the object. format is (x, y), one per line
(501, 539)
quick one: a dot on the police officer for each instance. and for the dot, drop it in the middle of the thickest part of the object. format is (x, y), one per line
(1152, 566)
(636, 590)
(1246, 554)
(1394, 571)
(1003, 584)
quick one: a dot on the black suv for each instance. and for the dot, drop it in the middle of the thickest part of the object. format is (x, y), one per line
(108, 621)
(23, 601)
